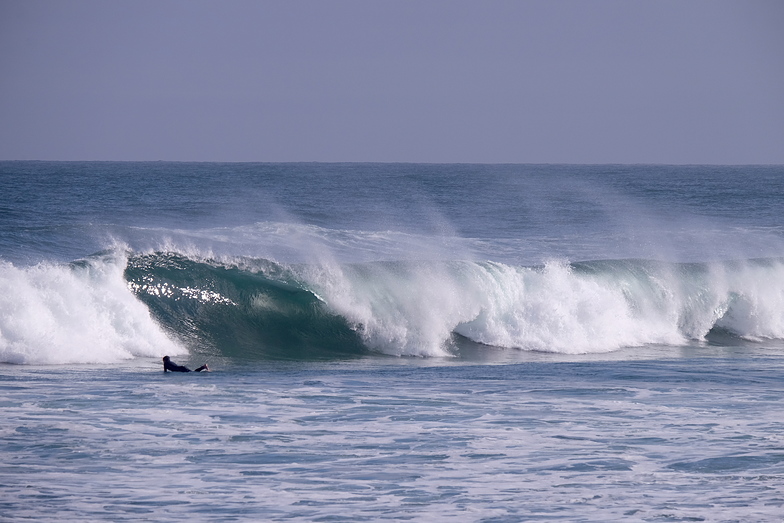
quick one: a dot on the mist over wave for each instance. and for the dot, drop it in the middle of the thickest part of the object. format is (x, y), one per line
(307, 243)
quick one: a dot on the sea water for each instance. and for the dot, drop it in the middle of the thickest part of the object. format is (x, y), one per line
(391, 341)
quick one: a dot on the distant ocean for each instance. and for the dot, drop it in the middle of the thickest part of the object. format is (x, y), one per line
(391, 341)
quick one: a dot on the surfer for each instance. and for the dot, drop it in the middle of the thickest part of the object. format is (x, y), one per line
(170, 365)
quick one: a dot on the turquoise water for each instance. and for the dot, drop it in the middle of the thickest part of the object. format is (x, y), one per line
(421, 342)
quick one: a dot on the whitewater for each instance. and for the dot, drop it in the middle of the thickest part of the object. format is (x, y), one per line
(427, 342)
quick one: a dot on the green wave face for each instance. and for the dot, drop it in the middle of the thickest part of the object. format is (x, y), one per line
(257, 311)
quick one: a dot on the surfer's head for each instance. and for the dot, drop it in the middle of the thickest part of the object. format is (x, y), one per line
(165, 358)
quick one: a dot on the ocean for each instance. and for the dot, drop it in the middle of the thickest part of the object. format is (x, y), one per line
(421, 342)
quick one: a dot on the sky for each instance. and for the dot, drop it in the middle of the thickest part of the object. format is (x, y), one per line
(445, 81)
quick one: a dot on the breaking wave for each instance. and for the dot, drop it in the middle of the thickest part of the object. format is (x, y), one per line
(117, 306)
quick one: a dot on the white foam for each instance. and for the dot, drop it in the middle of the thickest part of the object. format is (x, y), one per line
(555, 310)
(401, 309)
(755, 301)
(54, 314)
(413, 308)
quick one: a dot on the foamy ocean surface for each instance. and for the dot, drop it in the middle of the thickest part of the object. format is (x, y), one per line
(391, 342)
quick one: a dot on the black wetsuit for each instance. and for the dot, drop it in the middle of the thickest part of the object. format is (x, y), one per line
(173, 367)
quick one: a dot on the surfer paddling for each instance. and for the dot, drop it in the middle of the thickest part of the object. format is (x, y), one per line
(173, 367)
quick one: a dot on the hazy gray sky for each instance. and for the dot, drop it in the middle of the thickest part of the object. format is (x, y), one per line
(555, 81)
